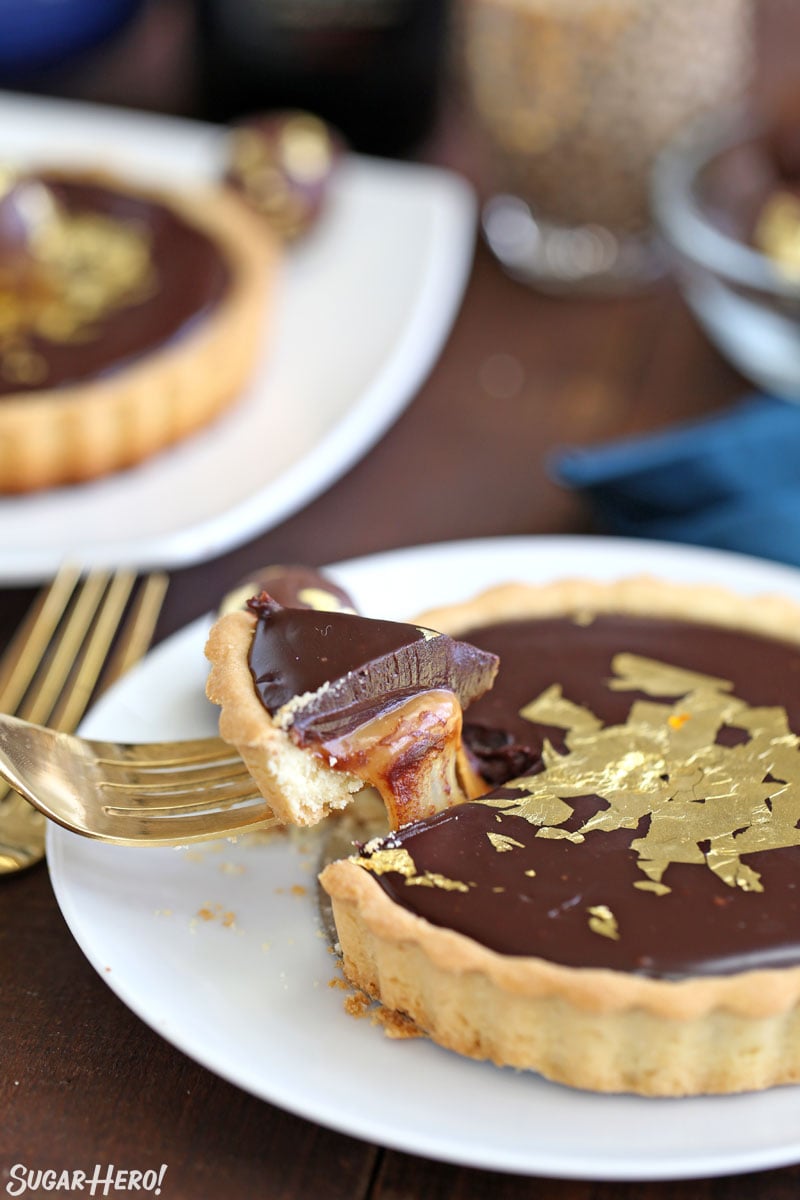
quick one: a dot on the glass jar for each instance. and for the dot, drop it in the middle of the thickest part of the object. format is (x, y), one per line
(574, 99)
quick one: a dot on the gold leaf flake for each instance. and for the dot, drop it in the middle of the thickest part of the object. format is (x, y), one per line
(647, 885)
(398, 860)
(381, 861)
(635, 673)
(603, 921)
(434, 879)
(85, 266)
(665, 774)
(503, 843)
(551, 708)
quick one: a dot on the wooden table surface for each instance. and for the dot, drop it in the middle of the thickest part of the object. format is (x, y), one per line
(83, 1080)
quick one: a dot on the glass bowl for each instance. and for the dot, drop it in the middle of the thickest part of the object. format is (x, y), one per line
(718, 193)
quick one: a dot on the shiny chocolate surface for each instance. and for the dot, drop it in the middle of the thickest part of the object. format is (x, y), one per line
(366, 665)
(535, 654)
(599, 897)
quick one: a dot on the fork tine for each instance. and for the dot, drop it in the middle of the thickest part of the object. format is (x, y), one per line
(56, 660)
(177, 782)
(152, 755)
(51, 669)
(135, 639)
(180, 831)
(29, 645)
(63, 778)
(60, 656)
(183, 800)
(88, 647)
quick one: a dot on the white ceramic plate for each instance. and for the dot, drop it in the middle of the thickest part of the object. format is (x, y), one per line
(364, 306)
(251, 1000)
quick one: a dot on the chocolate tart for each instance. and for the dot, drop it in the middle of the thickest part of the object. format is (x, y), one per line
(321, 704)
(623, 914)
(129, 318)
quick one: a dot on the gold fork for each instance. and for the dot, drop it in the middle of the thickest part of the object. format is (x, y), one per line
(51, 670)
(158, 793)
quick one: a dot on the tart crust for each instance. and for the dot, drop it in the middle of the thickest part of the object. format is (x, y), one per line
(299, 787)
(81, 431)
(593, 1028)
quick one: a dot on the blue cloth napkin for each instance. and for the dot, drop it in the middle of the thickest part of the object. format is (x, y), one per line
(730, 481)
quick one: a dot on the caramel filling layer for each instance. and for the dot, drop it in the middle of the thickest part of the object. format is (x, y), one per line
(380, 700)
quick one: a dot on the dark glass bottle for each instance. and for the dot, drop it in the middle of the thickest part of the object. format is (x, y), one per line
(372, 68)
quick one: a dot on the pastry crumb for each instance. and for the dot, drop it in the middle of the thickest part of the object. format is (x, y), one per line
(213, 912)
(296, 889)
(395, 1024)
(357, 1004)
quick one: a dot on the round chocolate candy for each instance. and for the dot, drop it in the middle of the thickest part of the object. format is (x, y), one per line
(282, 164)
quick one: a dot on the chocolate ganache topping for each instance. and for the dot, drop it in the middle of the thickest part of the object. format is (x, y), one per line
(655, 829)
(117, 275)
(349, 669)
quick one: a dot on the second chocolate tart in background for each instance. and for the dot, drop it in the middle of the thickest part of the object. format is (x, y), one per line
(129, 317)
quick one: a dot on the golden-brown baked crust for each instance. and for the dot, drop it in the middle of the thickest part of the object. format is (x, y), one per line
(81, 431)
(643, 595)
(601, 1030)
(598, 1029)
